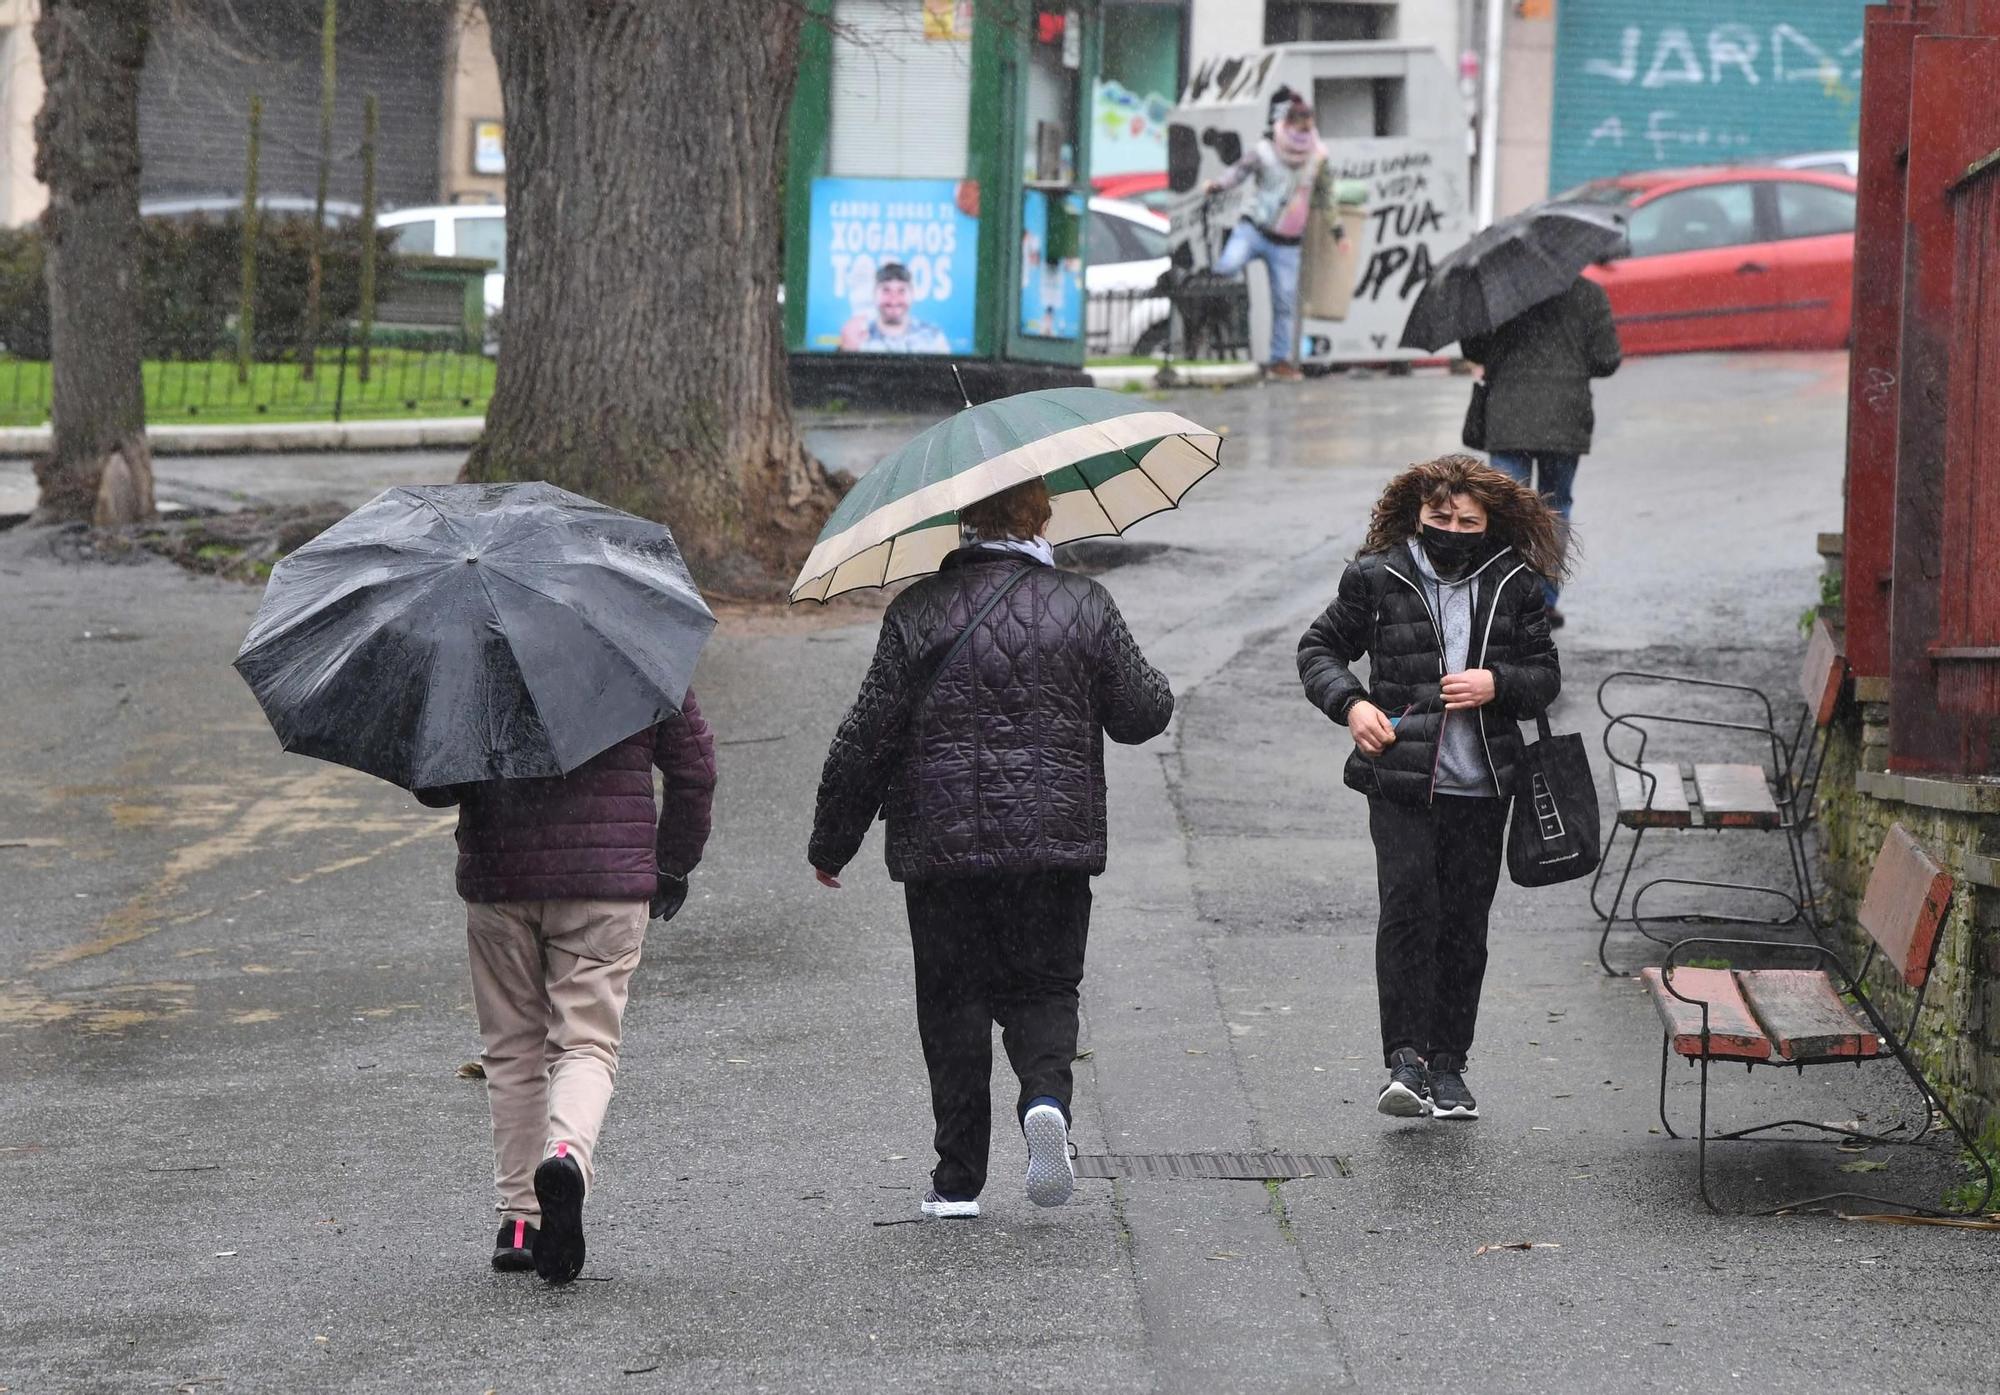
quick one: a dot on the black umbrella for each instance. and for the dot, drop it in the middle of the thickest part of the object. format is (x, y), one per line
(452, 633)
(1516, 263)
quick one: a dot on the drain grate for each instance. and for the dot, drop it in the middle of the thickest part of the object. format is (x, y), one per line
(1213, 1167)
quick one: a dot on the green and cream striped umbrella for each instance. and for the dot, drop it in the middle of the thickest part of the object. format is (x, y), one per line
(1107, 466)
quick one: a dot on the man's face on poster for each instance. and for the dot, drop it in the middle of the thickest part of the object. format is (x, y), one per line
(892, 303)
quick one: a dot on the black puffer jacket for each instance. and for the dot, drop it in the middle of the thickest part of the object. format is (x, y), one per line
(1004, 770)
(1381, 611)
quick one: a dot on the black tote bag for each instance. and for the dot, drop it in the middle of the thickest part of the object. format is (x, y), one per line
(1552, 833)
(1473, 434)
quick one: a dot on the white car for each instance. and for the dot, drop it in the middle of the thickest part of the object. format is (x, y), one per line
(456, 230)
(1847, 162)
(1127, 254)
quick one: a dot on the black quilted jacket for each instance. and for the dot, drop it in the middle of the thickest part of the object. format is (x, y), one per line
(1002, 769)
(1381, 611)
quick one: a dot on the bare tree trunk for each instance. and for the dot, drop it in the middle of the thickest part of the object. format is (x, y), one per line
(642, 360)
(87, 152)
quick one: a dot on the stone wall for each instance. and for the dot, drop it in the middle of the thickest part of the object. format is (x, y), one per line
(1957, 820)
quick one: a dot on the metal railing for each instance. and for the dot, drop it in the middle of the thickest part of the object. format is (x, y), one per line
(1182, 318)
(408, 374)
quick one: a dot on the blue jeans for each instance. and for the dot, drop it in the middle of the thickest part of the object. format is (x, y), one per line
(1558, 476)
(1247, 241)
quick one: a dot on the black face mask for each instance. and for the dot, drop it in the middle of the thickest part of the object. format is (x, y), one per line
(1451, 553)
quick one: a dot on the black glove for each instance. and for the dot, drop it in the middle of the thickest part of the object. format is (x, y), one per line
(669, 894)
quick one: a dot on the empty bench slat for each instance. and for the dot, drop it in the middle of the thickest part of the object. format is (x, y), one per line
(1669, 808)
(1733, 1032)
(1735, 796)
(1804, 1016)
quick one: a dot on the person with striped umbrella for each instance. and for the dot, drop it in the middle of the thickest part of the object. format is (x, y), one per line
(979, 736)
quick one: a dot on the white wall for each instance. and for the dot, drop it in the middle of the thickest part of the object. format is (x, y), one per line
(1220, 27)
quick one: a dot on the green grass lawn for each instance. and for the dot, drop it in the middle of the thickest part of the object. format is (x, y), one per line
(401, 383)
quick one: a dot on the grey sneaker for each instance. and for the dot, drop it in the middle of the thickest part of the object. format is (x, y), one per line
(1407, 1095)
(1051, 1177)
(1449, 1097)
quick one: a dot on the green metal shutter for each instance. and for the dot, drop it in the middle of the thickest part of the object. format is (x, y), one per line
(1650, 84)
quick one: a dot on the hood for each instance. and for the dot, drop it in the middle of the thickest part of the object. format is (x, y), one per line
(981, 555)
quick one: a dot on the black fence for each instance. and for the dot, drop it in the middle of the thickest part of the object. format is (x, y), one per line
(1193, 317)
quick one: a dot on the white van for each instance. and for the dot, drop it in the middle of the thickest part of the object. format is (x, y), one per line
(456, 230)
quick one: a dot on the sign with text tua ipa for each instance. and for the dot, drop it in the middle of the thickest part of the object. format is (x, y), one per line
(894, 266)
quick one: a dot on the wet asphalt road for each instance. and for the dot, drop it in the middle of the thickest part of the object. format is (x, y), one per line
(237, 1156)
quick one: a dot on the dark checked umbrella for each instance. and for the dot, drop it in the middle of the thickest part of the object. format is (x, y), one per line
(452, 633)
(1516, 263)
(1107, 464)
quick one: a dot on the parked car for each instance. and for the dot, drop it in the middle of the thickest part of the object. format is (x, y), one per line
(1149, 189)
(457, 230)
(227, 205)
(1126, 249)
(1847, 162)
(1730, 258)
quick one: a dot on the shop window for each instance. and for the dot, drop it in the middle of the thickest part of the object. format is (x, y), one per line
(1361, 108)
(1311, 21)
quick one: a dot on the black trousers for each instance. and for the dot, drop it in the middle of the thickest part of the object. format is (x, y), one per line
(1006, 949)
(1436, 869)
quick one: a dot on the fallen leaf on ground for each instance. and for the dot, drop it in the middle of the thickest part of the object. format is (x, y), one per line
(1864, 1165)
(472, 1070)
(1196, 1051)
(1223, 1254)
(1085, 1054)
(1517, 1245)
(224, 1254)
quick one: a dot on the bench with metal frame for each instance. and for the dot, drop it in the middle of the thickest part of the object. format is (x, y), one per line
(1666, 794)
(1802, 1017)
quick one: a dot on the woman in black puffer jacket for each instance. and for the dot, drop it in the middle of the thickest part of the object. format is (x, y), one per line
(986, 760)
(1447, 602)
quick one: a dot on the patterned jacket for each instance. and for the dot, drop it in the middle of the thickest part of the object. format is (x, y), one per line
(1001, 767)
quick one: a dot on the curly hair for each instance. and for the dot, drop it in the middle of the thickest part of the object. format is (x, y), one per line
(1515, 514)
(1020, 512)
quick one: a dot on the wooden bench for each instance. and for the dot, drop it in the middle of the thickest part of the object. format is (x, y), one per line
(1672, 794)
(1814, 1016)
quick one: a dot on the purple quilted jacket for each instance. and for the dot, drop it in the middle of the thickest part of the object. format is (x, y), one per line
(1000, 769)
(592, 834)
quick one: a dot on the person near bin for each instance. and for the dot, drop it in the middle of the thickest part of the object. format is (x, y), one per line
(559, 876)
(1446, 602)
(978, 735)
(1293, 175)
(1539, 413)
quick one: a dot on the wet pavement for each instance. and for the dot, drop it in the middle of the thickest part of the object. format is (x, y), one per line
(233, 1006)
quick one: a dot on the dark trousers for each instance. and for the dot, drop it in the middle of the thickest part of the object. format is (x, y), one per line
(1436, 869)
(1006, 949)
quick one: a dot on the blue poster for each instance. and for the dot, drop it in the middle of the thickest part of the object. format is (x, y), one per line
(1651, 84)
(1051, 274)
(894, 266)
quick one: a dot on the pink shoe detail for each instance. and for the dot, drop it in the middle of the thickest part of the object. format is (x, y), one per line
(520, 1235)
(562, 1150)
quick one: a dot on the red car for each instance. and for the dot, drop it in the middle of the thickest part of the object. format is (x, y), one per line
(1730, 258)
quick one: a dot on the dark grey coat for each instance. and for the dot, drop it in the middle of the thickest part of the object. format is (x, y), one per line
(1381, 611)
(1538, 370)
(1002, 769)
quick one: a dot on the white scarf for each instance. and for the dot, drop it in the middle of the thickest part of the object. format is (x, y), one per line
(1038, 548)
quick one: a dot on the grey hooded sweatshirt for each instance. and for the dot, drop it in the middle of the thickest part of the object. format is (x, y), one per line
(1461, 766)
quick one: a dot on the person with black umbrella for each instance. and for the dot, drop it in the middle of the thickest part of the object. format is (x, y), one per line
(523, 653)
(1513, 300)
(1539, 412)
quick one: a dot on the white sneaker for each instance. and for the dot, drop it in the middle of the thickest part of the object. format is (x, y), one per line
(938, 1209)
(1051, 1177)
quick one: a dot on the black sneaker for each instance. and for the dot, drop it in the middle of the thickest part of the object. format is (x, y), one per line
(559, 1188)
(514, 1247)
(1407, 1094)
(1449, 1097)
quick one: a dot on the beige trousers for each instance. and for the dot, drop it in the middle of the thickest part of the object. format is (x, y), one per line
(549, 979)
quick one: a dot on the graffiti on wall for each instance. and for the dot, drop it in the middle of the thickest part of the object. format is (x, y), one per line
(1641, 89)
(1405, 219)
